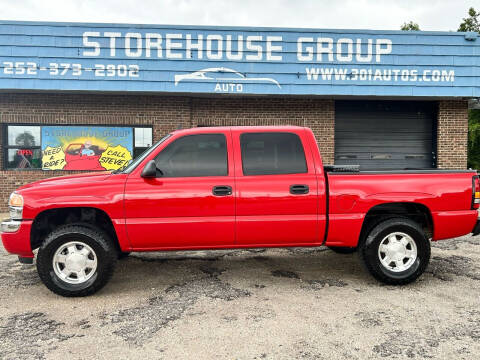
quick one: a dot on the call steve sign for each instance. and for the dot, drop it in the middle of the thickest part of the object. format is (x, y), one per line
(183, 59)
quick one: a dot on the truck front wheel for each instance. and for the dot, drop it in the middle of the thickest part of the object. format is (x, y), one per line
(76, 260)
(396, 251)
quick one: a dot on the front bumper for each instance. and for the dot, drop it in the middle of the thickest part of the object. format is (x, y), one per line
(16, 237)
(9, 226)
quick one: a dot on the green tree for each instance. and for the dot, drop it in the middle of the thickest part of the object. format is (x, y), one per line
(410, 26)
(474, 139)
(470, 23)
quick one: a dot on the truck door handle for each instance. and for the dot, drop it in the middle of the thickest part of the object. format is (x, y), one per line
(222, 190)
(299, 189)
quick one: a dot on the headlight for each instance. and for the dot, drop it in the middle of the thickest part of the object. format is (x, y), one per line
(15, 205)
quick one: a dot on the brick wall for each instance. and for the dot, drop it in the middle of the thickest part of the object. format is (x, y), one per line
(319, 115)
(452, 132)
(164, 113)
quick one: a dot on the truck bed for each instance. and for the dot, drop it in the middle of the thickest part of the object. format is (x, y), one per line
(447, 194)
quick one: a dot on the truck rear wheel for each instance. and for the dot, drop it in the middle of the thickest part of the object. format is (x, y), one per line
(396, 251)
(76, 260)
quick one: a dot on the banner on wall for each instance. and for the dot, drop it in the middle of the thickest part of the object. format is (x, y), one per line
(86, 147)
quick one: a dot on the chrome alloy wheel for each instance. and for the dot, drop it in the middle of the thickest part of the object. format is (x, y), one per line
(397, 252)
(75, 262)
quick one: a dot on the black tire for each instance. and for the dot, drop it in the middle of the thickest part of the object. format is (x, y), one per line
(103, 247)
(368, 251)
(343, 249)
(123, 255)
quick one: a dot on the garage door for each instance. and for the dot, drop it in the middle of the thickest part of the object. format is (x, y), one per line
(382, 135)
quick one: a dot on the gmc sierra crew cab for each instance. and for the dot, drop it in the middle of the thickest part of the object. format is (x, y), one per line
(236, 187)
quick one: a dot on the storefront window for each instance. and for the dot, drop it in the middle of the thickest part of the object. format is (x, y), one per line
(143, 137)
(24, 159)
(27, 136)
(22, 148)
(143, 140)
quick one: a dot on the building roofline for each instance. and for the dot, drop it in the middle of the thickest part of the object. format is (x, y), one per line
(242, 28)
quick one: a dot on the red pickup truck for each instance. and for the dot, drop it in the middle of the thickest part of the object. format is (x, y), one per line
(236, 187)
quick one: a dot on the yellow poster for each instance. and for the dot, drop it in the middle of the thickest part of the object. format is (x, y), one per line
(115, 157)
(53, 158)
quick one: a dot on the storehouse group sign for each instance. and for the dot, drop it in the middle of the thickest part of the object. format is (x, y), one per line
(185, 59)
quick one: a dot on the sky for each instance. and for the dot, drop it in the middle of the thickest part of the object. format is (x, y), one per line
(443, 15)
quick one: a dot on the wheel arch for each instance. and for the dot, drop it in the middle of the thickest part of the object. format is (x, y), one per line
(414, 211)
(50, 219)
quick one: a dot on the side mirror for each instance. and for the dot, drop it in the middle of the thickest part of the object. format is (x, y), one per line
(150, 170)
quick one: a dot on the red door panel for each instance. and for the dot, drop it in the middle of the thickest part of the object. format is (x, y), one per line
(181, 212)
(268, 213)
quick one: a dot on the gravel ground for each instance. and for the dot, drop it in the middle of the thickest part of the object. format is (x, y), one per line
(249, 304)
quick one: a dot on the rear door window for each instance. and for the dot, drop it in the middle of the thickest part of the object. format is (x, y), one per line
(272, 154)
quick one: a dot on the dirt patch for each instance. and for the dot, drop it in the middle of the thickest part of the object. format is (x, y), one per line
(138, 324)
(285, 274)
(15, 275)
(402, 343)
(325, 283)
(457, 243)
(30, 335)
(372, 319)
(426, 342)
(446, 267)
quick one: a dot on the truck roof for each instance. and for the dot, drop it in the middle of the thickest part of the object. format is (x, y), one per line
(265, 128)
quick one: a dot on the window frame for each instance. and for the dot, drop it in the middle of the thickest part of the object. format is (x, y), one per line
(5, 146)
(141, 148)
(267, 133)
(135, 134)
(191, 135)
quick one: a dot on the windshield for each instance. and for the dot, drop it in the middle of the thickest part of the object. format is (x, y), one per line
(142, 156)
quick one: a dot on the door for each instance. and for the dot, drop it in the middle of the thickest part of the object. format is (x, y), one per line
(190, 204)
(385, 134)
(276, 189)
